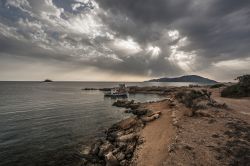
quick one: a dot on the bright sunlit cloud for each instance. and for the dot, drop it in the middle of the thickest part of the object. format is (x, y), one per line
(128, 45)
(173, 34)
(154, 51)
(184, 60)
(239, 64)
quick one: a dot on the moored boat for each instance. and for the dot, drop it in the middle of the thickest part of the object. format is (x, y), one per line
(120, 91)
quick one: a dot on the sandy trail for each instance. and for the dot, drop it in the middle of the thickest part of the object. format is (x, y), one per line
(157, 136)
(240, 105)
(202, 140)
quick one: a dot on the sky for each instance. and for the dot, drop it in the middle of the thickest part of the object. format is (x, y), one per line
(123, 40)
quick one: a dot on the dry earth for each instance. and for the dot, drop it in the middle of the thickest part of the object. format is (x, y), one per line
(213, 136)
(156, 136)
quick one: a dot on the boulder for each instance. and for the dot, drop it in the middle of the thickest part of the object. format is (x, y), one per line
(156, 112)
(120, 156)
(140, 111)
(86, 156)
(123, 103)
(86, 150)
(130, 148)
(111, 160)
(122, 145)
(150, 118)
(127, 138)
(127, 123)
(95, 148)
(124, 163)
(105, 148)
(134, 105)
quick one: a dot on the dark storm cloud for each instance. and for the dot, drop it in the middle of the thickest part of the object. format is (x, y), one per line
(133, 37)
(216, 30)
(212, 24)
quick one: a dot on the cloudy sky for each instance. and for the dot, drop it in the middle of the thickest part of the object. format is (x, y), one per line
(118, 40)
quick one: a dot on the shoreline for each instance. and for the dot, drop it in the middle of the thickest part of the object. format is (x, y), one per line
(122, 138)
(163, 133)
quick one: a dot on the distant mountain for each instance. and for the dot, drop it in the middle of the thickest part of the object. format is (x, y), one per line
(186, 78)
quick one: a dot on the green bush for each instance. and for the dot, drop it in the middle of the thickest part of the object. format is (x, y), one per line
(190, 98)
(241, 89)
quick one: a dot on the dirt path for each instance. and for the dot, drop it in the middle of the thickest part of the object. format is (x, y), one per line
(157, 136)
(240, 105)
(214, 136)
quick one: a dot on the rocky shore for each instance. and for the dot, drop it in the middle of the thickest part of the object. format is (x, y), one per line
(121, 138)
(145, 90)
(192, 126)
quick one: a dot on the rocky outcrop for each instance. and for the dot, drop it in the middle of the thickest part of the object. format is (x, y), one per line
(118, 146)
(143, 114)
(126, 104)
(121, 138)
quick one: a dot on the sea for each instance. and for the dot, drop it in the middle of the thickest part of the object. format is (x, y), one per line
(45, 124)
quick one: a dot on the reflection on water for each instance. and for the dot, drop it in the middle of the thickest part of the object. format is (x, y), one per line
(42, 123)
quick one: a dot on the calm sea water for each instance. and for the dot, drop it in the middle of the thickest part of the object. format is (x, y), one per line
(44, 123)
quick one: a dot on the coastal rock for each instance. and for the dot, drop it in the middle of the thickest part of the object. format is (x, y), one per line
(154, 113)
(150, 118)
(128, 137)
(111, 160)
(86, 155)
(123, 103)
(105, 148)
(127, 123)
(126, 104)
(140, 111)
(122, 145)
(134, 105)
(120, 156)
(95, 148)
(130, 148)
(124, 163)
(86, 150)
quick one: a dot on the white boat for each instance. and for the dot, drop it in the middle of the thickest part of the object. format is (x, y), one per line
(120, 91)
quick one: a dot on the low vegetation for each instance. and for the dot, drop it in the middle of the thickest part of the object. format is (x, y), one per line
(198, 99)
(241, 89)
(217, 86)
(192, 98)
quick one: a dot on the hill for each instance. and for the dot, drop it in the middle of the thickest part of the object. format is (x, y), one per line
(186, 78)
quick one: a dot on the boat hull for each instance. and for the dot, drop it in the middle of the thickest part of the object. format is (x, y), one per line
(116, 95)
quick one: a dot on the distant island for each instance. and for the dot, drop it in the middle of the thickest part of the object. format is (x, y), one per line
(47, 80)
(186, 78)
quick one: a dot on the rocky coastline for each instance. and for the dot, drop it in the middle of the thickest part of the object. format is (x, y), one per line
(121, 139)
(192, 125)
